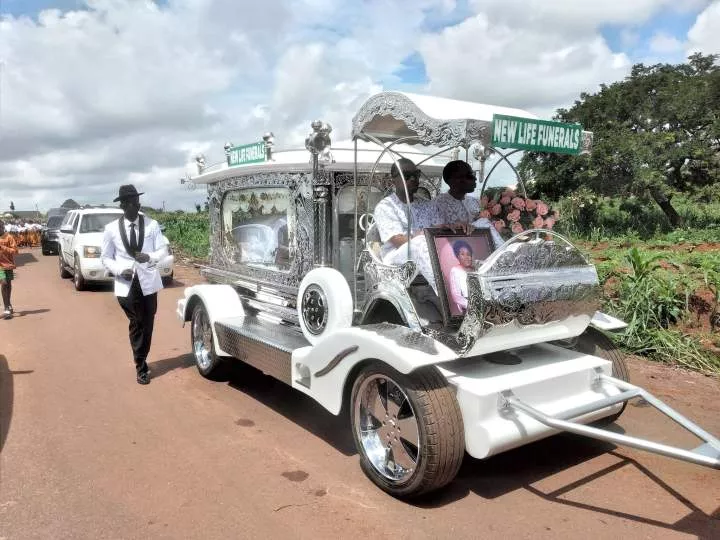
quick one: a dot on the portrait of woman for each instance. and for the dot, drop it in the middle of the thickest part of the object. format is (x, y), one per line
(458, 275)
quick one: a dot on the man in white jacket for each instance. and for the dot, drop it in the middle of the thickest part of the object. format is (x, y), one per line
(132, 247)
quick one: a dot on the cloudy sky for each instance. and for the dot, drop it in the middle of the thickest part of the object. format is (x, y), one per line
(96, 93)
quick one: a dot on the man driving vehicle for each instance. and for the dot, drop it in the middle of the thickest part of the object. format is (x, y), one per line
(391, 217)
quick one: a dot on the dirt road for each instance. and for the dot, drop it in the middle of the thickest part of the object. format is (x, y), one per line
(88, 454)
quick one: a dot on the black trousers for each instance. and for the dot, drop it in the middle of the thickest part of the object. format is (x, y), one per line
(140, 311)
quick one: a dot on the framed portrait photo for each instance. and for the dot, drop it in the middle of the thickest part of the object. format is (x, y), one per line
(453, 255)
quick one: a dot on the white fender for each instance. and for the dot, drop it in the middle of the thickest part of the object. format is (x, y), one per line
(331, 288)
(324, 368)
(221, 301)
(603, 321)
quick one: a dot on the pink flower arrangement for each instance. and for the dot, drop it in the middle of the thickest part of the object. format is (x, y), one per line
(511, 213)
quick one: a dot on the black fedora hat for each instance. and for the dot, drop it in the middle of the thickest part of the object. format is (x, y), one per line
(126, 192)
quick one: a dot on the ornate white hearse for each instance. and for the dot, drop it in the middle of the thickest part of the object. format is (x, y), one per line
(298, 290)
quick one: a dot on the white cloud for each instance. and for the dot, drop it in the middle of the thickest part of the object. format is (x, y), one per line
(580, 15)
(538, 68)
(704, 36)
(130, 90)
(662, 43)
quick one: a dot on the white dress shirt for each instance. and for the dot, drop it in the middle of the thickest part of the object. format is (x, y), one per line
(116, 258)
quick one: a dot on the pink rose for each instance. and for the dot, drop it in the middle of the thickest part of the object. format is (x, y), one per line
(530, 204)
(484, 200)
(505, 200)
(485, 214)
(514, 215)
(517, 228)
(542, 209)
(495, 210)
(549, 223)
(499, 225)
(538, 222)
(518, 203)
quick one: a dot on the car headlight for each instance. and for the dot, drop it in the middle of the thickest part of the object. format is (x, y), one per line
(91, 252)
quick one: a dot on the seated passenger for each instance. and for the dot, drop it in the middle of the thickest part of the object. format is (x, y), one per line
(392, 225)
(457, 206)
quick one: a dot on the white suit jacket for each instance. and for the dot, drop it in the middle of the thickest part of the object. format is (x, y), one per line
(116, 258)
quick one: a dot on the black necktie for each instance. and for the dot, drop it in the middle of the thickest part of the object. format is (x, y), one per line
(133, 240)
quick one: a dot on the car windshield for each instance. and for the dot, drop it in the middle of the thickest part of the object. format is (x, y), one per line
(54, 222)
(96, 222)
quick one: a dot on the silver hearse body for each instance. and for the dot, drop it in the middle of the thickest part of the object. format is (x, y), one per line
(297, 290)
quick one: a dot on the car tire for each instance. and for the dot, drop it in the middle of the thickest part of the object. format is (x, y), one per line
(78, 279)
(45, 249)
(202, 342)
(64, 273)
(420, 426)
(324, 303)
(594, 342)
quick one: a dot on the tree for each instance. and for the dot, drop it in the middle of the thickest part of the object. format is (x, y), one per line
(656, 134)
(70, 204)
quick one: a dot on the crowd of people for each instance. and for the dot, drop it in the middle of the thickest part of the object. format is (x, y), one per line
(27, 233)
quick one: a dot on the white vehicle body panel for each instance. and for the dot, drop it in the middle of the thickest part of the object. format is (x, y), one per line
(368, 344)
(221, 301)
(550, 378)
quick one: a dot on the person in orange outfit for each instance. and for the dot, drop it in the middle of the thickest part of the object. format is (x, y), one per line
(8, 250)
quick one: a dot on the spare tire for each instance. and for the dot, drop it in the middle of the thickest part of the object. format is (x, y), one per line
(324, 303)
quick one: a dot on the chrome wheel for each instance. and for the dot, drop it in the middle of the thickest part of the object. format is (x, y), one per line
(387, 428)
(202, 339)
(314, 309)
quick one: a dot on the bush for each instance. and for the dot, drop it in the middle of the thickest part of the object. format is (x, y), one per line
(189, 234)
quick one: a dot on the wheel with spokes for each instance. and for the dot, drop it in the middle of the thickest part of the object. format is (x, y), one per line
(407, 428)
(203, 345)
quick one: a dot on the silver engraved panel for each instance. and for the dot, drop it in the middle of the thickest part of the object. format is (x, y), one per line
(390, 283)
(431, 131)
(532, 284)
(301, 195)
(254, 351)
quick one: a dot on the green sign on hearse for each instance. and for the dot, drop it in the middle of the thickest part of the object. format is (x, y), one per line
(246, 153)
(536, 135)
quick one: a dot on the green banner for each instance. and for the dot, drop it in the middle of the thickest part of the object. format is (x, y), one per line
(536, 135)
(247, 153)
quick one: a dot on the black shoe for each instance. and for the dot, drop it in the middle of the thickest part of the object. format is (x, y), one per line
(143, 378)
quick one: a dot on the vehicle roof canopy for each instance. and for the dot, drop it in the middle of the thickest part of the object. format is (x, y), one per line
(427, 120)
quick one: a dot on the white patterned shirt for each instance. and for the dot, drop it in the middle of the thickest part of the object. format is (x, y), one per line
(391, 218)
(451, 210)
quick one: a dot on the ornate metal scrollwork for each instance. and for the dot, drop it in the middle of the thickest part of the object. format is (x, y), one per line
(318, 142)
(302, 246)
(442, 133)
(527, 284)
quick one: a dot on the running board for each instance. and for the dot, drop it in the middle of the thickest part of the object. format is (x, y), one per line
(707, 454)
(265, 345)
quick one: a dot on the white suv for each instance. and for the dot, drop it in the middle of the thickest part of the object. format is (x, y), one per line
(81, 235)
